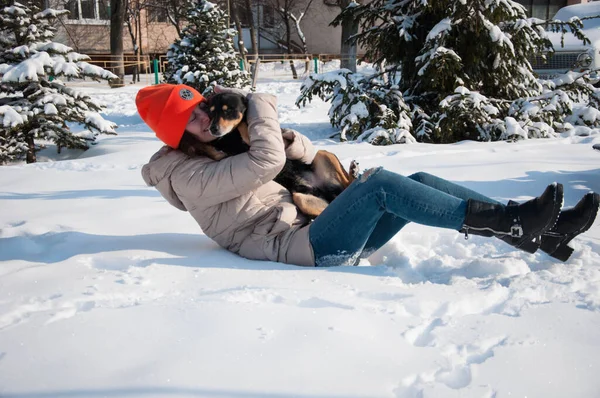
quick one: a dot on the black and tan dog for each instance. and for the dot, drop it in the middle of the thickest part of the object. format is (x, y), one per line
(312, 186)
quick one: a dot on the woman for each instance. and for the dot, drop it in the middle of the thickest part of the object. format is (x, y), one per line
(237, 204)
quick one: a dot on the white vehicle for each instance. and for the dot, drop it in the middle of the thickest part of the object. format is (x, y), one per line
(574, 55)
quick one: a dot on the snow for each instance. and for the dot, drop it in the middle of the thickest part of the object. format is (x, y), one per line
(93, 70)
(107, 290)
(15, 10)
(513, 128)
(50, 109)
(103, 125)
(56, 48)
(28, 69)
(9, 117)
(53, 13)
(441, 27)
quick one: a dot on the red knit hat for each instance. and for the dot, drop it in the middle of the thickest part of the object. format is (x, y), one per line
(166, 108)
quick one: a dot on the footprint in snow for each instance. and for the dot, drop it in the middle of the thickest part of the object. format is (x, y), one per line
(422, 335)
(315, 302)
(457, 373)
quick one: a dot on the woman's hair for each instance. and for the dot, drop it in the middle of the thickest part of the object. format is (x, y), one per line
(188, 144)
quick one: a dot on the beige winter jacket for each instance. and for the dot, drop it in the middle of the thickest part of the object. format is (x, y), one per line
(235, 200)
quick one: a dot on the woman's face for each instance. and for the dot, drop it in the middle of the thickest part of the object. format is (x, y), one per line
(199, 124)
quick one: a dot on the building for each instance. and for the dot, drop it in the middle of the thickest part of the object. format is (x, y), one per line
(87, 29)
(545, 9)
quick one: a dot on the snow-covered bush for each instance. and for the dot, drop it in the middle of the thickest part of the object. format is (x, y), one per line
(35, 105)
(205, 55)
(470, 112)
(363, 108)
(462, 68)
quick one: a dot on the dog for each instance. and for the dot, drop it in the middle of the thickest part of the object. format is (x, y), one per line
(313, 186)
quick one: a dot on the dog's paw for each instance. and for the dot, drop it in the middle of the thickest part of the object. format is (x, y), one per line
(354, 169)
(218, 155)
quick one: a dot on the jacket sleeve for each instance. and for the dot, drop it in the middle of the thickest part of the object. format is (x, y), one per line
(298, 146)
(209, 182)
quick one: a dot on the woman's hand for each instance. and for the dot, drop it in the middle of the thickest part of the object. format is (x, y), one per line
(288, 137)
(297, 146)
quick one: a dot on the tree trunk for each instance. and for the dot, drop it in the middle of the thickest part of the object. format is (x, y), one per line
(348, 51)
(288, 43)
(117, 19)
(298, 20)
(132, 29)
(238, 26)
(253, 34)
(30, 149)
(175, 14)
(141, 48)
(253, 30)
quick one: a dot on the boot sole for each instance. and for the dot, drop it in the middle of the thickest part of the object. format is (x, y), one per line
(560, 249)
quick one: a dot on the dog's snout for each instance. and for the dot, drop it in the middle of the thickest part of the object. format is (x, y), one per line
(214, 129)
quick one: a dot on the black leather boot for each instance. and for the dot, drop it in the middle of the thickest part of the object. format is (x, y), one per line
(518, 225)
(571, 222)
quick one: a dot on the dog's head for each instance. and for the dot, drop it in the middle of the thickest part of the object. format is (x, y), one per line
(226, 111)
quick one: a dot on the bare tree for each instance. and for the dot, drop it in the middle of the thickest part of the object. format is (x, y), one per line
(291, 13)
(284, 9)
(252, 25)
(235, 14)
(175, 11)
(298, 20)
(349, 28)
(134, 26)
(117, 19)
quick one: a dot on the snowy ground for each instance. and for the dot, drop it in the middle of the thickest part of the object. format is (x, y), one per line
(106, 290)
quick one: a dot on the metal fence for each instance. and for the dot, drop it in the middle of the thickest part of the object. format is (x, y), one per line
(138, 67)
(271, 67)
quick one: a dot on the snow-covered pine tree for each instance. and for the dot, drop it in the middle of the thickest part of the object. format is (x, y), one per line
(35, 105)
(205, 55)
(362, 107)
(461, 65)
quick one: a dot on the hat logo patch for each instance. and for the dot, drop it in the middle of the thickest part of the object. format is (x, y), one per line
(186, 94)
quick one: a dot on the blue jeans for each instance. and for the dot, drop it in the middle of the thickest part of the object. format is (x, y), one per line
(379, 204)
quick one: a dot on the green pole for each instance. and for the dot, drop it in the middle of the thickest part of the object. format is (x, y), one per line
(241, 63)
(316, 64)
(155, 61)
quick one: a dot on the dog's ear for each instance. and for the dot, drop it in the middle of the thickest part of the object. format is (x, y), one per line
(245, 103)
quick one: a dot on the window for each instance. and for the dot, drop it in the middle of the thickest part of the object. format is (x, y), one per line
(268, 16)
(73, 8)
(157, 14)
(245, 17)
(104, 9)
(88, 9)
(263, 13)
(543, 9)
